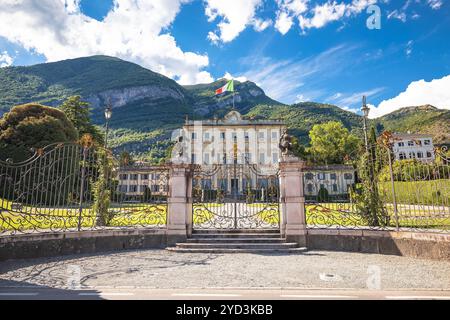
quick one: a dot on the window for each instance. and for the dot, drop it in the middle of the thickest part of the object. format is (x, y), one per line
(309, 176)
(142, 188)
(333, 176)
(194, 135)
(321, 176)
(193, 158)
(133, 188)
(275, 157)
(206, 136)
(401, 144)
(261, 135)
(427, 142)
(155, 188)
(123, 188)
(335, 187)
(348, 176)
(274, 135)
(410, 143)
(144, 176)
(262, 158)
(124, 176)
(246, 135)
(206, 158)
(222, 184)
(234, 136)
(419, 155)
(412, 155)
(310, 188)
(224, 159)
(429, 155)
(402, 155)
(248, 158)
(134, 176)
(222, 135)
(206, 184)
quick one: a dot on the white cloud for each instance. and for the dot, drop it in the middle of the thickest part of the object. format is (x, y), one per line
(317, 16)
(397, 15)
(134, 30)
(418, 93)
(352, 101)
(5, 59)
(409, 48)
(261, 25)
(293, 80)
(435, 4)
(235, 16)
(228, 76)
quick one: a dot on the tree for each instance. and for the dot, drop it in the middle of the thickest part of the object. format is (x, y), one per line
(125, 159)
(78, 113)
(32, 126)
(331, 143)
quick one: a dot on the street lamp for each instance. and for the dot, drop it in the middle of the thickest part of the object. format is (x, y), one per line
(108, 115)
(365, 110)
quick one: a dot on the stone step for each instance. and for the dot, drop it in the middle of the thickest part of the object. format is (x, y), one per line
(236, 240)
(235, 231)
(235, 235)
(254, 251)
(239, 245)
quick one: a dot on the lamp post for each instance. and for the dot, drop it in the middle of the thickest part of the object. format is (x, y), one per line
(365, 110)
(108, 115)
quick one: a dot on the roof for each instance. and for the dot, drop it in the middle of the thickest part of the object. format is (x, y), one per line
(411, 135)
(234, 118)
(330, 167)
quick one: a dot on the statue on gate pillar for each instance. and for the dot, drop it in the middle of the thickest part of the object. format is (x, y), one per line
(286, 145)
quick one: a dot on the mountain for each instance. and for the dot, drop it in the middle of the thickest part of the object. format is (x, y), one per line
(421, 119)
(147, 106)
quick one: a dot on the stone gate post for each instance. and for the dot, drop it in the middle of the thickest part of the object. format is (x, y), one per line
(292, 200)
(179, 215)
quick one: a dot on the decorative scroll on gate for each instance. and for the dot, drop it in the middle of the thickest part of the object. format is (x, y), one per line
(235, 196)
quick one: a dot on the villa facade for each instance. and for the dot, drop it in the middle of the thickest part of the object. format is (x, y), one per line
(413, 146)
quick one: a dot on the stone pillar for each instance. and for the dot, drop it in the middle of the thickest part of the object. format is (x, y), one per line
(292, 200)
(178, 211)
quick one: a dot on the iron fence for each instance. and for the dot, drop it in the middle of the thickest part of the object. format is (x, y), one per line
(70, 187)
(378, 191)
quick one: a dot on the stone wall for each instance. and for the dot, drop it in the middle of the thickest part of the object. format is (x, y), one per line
(410, 244)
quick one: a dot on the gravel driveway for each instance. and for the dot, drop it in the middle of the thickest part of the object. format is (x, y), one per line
(162, 269)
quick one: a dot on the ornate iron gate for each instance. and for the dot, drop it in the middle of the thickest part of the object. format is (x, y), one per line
(68, 187)
(235, 196)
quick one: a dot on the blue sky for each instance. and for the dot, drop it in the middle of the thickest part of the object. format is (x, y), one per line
(296, 50)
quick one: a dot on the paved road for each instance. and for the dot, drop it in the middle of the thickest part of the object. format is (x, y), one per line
(160, 274)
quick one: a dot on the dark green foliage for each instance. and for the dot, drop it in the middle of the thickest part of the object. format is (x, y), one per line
(101, 187)
(33, 126)
(78, 113)
(323, 195)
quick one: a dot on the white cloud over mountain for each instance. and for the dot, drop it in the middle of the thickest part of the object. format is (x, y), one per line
(421, 92)
(5, 59)
(135, 30)
(234, 16)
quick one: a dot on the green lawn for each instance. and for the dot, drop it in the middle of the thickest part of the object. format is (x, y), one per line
(430, 192)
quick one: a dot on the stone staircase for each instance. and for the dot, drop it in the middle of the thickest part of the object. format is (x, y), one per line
(236, 241)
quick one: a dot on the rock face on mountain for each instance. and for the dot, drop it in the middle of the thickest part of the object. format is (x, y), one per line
(121, 97)
(147, 106)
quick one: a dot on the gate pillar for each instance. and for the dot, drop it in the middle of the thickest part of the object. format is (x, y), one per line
(179, 226)
(292, 200)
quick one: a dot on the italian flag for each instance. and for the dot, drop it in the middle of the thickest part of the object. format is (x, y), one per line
(229, 87)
